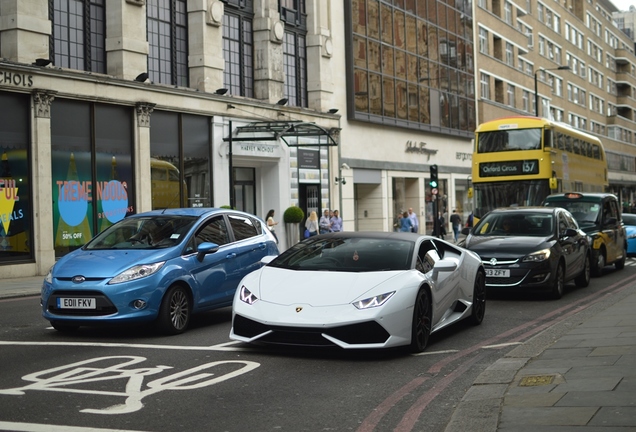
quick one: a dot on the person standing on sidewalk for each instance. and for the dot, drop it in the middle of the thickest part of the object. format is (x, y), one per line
(325, 223)
(456, 222)
(415, 226)
(336, 222)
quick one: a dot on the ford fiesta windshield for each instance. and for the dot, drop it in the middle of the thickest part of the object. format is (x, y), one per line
(347, 255)
(155, 232)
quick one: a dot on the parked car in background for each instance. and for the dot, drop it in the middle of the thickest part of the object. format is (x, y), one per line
(629, 221)
(599, 216)
(160, 266)
(538, 248)
(357, 290)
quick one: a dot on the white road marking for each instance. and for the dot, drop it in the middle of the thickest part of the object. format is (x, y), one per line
(220, 347)
(36, 427)
(435, 352)
(502, 345)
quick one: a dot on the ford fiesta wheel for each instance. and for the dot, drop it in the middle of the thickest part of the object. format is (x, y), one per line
(175, 311)
(422, 317)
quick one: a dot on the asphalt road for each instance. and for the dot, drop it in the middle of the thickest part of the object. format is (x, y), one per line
(134, 379)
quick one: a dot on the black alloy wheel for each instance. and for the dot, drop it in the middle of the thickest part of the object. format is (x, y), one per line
(422, 317)
(479, 299)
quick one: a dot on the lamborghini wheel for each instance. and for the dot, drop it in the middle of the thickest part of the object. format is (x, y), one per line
(422, 317)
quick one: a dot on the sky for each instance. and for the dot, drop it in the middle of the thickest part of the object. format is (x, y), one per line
(623, 4)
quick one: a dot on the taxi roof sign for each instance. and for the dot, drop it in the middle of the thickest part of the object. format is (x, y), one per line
(573, 195)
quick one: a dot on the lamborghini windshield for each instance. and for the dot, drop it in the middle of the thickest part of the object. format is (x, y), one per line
(344, 254)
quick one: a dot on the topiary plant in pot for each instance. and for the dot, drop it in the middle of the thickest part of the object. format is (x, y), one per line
(292, 217)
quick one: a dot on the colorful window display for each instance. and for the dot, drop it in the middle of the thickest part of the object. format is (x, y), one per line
(91, 152)
(15, 189)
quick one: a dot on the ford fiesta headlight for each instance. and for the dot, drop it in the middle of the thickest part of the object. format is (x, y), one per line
(375, 301)
(136, 272)
(538, 256)
(246, 296)
(49, 276)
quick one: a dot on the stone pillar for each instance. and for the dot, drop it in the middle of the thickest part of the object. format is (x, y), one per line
(126, 45)
(205, 44)
(320, 84)
(24, 30)
(143, 185)
(43, 235)
(269, 32)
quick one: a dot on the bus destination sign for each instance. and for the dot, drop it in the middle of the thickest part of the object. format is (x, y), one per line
(498, 169)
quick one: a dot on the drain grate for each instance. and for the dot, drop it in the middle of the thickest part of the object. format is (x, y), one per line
(536, 380)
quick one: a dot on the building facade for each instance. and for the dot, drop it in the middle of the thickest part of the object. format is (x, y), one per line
(565, 60)
(117, 107)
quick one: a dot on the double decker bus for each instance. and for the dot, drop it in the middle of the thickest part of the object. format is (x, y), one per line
(518, 161)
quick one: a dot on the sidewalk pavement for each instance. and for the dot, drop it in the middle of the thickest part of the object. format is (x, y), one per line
(579, 374)
(21, 287)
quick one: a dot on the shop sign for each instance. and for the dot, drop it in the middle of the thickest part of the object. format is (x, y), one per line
(16, 79)
(419, 147)
(256, 149)
(308, 159)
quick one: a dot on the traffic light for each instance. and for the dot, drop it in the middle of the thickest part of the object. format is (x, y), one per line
(433, 181)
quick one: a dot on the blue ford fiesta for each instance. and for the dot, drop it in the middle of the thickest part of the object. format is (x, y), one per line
(160, 266)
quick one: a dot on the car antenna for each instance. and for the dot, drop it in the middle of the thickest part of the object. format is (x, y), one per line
(170, 203)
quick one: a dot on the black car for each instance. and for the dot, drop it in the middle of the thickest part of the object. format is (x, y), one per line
(531, 247)
(599, 216)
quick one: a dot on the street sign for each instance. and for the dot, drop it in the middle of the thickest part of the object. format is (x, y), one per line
(434, 191)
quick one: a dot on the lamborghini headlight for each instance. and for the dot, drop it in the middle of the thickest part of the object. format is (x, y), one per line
(538, 256)
(374, 301)
(136, 272)
(246, 296)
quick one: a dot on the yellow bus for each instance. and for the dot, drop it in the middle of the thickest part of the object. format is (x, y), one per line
(518, 161)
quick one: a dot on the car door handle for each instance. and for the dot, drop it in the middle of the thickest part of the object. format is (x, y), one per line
(262, 246)
(230, 256)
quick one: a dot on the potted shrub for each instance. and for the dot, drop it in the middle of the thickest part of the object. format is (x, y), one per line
(292, 217)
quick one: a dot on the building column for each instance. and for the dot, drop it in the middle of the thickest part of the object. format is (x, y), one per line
(126, 45)
(24, 30)
(43, 235)
(205, 44)
(143, 185)
(319, 51)
(269, 33)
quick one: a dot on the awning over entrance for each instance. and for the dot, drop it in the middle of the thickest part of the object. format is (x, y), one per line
(293, 133)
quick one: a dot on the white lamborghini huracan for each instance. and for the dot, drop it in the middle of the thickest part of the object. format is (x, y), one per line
(360, 290)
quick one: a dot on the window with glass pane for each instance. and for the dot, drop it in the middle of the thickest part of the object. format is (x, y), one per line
(167, 34)
(180, 160)
(295, 51)
(16, 214)
(92, 185)
(238, 47)
(79, 34)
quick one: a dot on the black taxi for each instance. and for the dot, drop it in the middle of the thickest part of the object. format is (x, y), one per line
(599, 216)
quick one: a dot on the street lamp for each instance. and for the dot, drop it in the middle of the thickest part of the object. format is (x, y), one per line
(536, 89)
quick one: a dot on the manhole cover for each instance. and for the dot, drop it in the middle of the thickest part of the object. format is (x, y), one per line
(536, 380)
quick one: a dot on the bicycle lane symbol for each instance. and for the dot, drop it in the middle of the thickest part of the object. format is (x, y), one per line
(68, 377)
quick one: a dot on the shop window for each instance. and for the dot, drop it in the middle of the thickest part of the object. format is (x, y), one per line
(16, 214)
(180, 160)
(91, 170)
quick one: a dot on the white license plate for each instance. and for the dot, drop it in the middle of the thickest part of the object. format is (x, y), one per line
(76, 303)
(497, 273)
